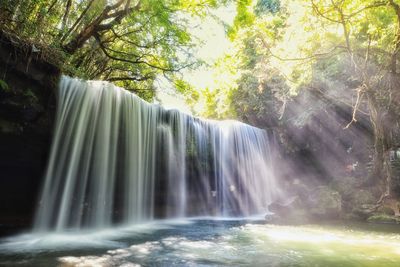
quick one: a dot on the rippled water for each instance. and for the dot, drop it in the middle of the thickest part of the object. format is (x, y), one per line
(209, 243)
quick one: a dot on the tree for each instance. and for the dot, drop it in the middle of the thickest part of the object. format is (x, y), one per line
(300, 44)
(240, 77)
(128, 42)
(370, 36)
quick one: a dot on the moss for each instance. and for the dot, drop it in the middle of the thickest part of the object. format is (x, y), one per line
(383, 218)
(9, 127)
(50, 55)
(386, 210)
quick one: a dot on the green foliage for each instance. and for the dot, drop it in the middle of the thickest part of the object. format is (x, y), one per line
(182, 86)
(254, 91)
(128, 42)
(285, 46)
(258, 103)
(265, 6)
(245, 17)
(211, 105)
(383, 218)
(30, 96)
(4, 86)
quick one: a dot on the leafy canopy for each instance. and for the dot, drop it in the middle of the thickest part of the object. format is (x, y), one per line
(128, 42)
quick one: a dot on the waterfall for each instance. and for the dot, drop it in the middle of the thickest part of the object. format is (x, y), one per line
(118, 159)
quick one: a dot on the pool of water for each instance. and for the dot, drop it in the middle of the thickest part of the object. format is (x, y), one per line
(205, 242)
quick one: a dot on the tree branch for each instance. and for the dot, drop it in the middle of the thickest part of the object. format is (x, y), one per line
(393, 65)
(95, 26)
(126, 78)
(360, 93)
(70, 30)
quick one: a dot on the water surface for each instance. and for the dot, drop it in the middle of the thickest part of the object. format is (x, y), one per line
(204, 242)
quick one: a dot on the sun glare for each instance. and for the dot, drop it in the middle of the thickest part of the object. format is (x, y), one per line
(213, 43)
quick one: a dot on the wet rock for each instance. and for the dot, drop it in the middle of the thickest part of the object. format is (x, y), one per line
(358, 201)
(27, 108)
(385, 211)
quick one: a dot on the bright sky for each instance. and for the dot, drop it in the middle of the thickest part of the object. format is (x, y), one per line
(212, 34)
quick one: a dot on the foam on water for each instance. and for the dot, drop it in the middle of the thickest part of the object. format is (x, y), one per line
(38, 242)
(264, 245)
(207, 243)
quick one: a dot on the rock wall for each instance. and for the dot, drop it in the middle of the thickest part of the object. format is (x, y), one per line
(27, 107)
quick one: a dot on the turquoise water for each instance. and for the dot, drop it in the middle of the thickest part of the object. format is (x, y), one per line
(209, 243)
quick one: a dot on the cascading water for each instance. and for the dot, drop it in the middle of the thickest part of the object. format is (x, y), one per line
(117, 159)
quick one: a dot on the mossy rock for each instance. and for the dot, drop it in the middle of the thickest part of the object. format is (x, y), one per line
(361, 197)
(9, 127)
(384, 218)
(325, 203)
(386, 210)
(361, 212)
(345, 185)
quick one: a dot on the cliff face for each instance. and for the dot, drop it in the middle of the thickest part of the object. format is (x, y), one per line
(27, 108)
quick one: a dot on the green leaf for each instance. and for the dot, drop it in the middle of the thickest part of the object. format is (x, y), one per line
(4, 86)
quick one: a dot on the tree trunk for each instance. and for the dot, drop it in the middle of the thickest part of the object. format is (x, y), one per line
(381, 165)
(80, 39)
(96, 25)
(66, 14)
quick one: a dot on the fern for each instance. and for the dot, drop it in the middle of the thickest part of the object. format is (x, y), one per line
(4, 86)
(28, 93)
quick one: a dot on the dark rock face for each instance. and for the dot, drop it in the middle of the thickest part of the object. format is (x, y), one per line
(318, 204)
(27, 108)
